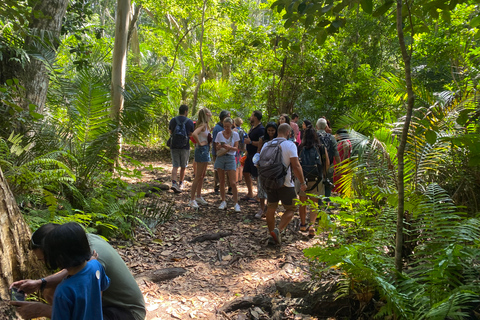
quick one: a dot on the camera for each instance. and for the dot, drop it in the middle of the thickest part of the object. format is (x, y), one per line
(17, 295)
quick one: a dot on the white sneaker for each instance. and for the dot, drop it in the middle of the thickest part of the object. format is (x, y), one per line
(193, 204)
(259, 214)
(237, 207)
(181, 186)
(223, 206)
(201, 201)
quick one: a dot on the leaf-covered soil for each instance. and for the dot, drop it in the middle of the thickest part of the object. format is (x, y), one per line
(217, 271)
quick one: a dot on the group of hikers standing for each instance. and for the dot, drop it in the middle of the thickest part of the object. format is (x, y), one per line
(305, 159)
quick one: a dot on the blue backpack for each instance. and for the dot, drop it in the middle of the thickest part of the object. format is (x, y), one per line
(179, 135)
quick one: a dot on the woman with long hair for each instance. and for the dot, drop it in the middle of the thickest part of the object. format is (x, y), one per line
(314, 188)
(202, 156)
(226, 144)
(270, 134)
(284, 118)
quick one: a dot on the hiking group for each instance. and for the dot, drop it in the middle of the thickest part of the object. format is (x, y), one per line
(284, 160)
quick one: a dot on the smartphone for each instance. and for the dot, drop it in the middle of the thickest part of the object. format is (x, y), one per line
(17, 295)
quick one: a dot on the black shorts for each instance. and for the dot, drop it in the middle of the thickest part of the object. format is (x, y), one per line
(284, 194)
(249, 167)
(116, 313)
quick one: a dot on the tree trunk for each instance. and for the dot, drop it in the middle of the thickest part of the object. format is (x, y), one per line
(119, 63)
(202, 73)
(33, 77)
(403, 142)
(16, 261)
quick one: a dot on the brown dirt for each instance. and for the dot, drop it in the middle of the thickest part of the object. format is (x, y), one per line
(218, 270)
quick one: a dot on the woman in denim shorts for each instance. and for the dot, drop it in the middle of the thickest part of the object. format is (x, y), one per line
(202, 156)
(226, 144)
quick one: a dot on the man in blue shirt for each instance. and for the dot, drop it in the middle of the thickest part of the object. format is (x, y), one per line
(219, 128)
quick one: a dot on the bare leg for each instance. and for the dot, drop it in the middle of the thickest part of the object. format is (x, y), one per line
(233, 184)
(175, 173)
(182, 174)
(221, 178)
(198, 181)
(285, 220)
(302, 211)
(249, 183)
(271, 216)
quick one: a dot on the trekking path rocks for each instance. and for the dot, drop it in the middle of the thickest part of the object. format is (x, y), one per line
(216, 256)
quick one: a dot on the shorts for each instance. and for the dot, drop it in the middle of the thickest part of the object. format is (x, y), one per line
(226, 162)
(250, 167)
(116, 313)
(180, 157)
(202, 153)
(318, 190)
(284, 194)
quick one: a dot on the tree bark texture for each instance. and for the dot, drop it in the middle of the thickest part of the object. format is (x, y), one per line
(16, 261)
(202, 73)
(34, 76)
(403, 141)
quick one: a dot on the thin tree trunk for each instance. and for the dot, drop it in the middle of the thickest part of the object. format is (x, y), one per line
(202, 73)
(403, 142)
(16, 261)
(119, 63)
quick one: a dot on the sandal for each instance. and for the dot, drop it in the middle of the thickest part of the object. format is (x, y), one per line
(311, 231)
(303, 227)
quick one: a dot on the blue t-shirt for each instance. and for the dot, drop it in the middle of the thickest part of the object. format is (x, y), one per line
(189, 127)
(218, 128)
(79, 297)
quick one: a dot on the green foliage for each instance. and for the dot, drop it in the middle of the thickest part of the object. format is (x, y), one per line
(441, 281)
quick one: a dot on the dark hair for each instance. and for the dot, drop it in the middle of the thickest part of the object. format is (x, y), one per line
(183, 108)
(307, 123)
(266, 137)
(287, 118)
(342, 134)
(66, 246)
(309, 138)
(224, 114)
(258, 114)
(36, 242)
(294, 115)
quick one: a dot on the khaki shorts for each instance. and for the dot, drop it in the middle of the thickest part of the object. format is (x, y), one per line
(319, 190)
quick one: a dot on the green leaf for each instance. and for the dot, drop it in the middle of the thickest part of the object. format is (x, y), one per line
(431, 136)
(380, 11)
(475, 22)
(301, 8)
(323, 23)
(321, 37)
(288, 23)
(9, 82)
(367, 6)
(309, 21)
(327, 8)
(463, 117)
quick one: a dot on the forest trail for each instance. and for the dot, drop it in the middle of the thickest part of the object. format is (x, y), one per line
(218, 271)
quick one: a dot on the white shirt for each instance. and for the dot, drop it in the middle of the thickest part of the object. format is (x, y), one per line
(289, 150)
(233, 138)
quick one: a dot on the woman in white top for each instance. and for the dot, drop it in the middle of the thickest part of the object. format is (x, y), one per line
(226, 144)
(202, 156)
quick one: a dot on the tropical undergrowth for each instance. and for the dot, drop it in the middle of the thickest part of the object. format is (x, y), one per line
(62, 169)
(441, 248)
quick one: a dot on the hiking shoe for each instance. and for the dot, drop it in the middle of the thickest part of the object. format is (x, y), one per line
(201, 201)
(223, 206)
(175, 187)
(181, 185)
(193, 204)
(237, 207)
(260, 214)
(276, 236)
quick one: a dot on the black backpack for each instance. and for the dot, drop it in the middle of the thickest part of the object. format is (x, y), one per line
(179, 135)
(325, 140)
(271, 170)
(312, 165)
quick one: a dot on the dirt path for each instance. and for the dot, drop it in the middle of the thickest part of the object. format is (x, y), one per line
(218, 271)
